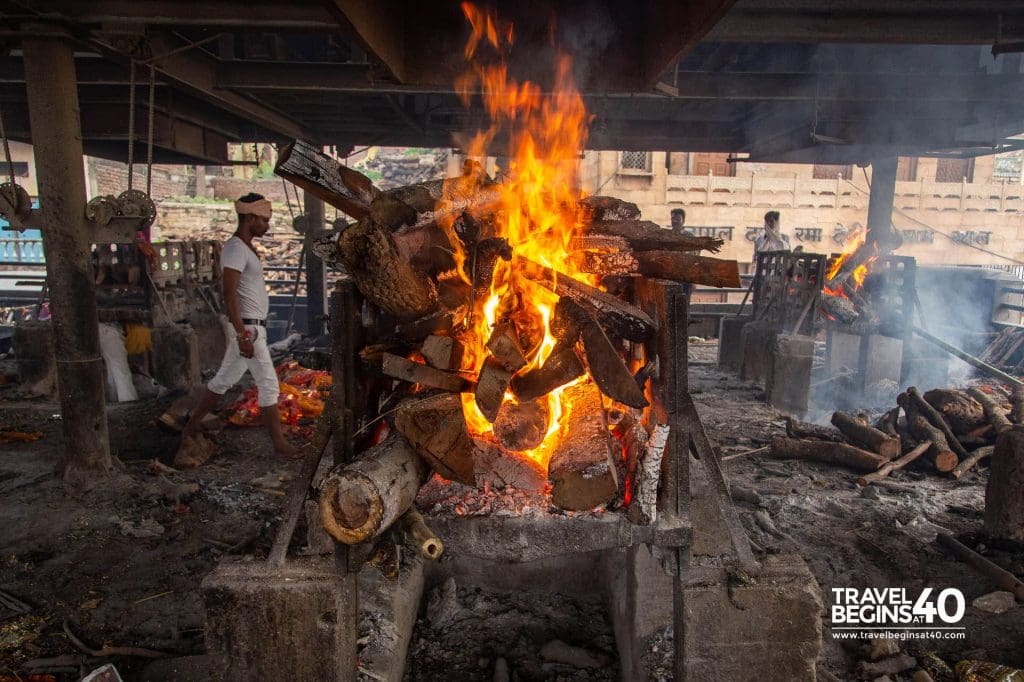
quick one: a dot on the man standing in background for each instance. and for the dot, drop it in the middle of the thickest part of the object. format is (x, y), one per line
(772, 239)
(678, 220)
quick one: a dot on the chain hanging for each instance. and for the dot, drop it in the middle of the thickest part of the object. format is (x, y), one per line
(131, 122)
(149, 141)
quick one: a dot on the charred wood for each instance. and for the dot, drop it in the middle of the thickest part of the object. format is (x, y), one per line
(1017, 405)
(1004, 501)
(561, 367)
(674, 265)
(361, 499)
(597, 208)
(323, 177)
(505, 347)
(522, 425)
(582, 469)
(485, 257)
(442, 352)
(490, 388)
(608, 368)
(440, 322)
(643, 235)
(620, 319)
(501, 469)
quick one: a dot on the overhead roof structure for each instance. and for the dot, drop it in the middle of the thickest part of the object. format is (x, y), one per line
(825, 81)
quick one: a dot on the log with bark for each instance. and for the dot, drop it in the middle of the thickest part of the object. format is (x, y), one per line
(865, 436)
(361, 499)
(370, 256)
(999, 576)
(894, 465)
(826, 451)
(643, 507)
(673, 265)
(966, 465)
(887, 422)
(436, 427)
(935, 418)
(608, 368)
(582, 470)
(960, 410)
(643, 235)
(426, 542)
(618, 318)
(994, 413)
(940, 454)
(417, 373)
(597, 208)
(799, 429)
(323, 177)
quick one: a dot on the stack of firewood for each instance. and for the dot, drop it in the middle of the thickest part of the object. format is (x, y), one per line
(947, 430)
(426, 256)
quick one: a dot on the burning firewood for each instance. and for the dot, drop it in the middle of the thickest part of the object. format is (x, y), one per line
(620, 319)
(436, 428)
(825, 451)
(485, 257)
(598, 242)
(643, 508)
(490, 388)
(325, 178)
(417, 373)
(582, 469)
(866, 436)
(522, 425)
(840, 309)
(608, 369)
(993, 412)
(505, 347)
(597, 208)
(674, 265)
(501, 469)
(371, 257)
(561, 367)
(644, 235)
(442, 352)
(440, 322)
(361, 499)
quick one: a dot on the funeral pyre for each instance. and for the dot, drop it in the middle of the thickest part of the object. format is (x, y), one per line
(520, 359)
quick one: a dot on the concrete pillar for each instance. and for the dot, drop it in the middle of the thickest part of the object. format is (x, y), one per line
(883, 190)
(1004, 503)
(313, 208)
(57, 138)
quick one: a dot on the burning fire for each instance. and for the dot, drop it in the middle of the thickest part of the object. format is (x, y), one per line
(834, 279)
(538, 197)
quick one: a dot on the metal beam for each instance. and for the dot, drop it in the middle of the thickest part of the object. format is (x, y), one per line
(269, 15)
(379, 27)
(673, 28)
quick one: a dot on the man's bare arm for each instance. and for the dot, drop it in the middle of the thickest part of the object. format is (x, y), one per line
(230, 278)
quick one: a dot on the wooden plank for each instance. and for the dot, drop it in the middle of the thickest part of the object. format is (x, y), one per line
(405, 369)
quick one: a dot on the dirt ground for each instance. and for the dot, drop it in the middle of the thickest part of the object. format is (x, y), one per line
(121, 564)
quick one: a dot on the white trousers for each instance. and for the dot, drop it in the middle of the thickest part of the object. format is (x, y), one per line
(119, 374)
(260, 365)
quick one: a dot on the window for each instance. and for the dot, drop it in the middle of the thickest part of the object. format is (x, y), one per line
(824, 171)
(20, 169)
(954, 170)
(1007, 167)
(635, 162)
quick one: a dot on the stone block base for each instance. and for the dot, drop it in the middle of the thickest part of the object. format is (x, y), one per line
(176, 357)
(756, 339)
(730, 341)
(788, 385)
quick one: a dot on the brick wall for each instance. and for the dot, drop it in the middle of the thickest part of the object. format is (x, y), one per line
(111, 177)
(180, 220)
(272, 188)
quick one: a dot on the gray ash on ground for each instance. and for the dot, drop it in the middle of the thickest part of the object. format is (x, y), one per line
(468, 633)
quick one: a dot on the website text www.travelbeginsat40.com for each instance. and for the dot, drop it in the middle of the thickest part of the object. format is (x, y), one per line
(899, 635)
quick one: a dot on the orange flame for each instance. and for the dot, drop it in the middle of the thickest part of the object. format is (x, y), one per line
(537, 201)
(853, 243)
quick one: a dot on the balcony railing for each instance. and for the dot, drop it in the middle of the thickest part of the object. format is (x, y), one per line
(710, 190)
(18, 251)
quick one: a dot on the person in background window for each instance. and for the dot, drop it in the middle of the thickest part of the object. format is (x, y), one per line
(678, 220)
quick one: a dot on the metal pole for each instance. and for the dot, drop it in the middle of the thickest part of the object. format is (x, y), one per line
(52, 89)
(969, 359)
(316, 300)
(880, 200)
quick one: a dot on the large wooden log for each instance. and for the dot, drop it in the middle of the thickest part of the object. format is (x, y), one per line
(522, 425)
(561, 367)
(608, 368)
(371, 257)
(934, 417)
(417, 373)
(597, 208)
(866, 436)
(1000, 577)
(644, 235)
(966, 465)
(582, 470)
(436, 428)
(501, 468)
(361, 499)
(894, 465)
(941, 455)
(490, 388)
(994, 413)
(1004, 494)
(825, 451)
(799, 429)
(674, 265)
(323, 177)
(961, 411)
(616, 317)
(442, 352)
(505, 347)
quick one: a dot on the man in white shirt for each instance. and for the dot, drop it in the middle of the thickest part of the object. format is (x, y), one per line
(246, 306)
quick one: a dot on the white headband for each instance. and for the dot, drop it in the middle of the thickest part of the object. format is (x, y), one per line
(260, 207)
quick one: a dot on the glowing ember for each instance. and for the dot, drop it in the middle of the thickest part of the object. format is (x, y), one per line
(546, 132)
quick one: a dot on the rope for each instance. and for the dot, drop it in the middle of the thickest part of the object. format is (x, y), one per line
(149, 142)
(7, 149)
(131, 122)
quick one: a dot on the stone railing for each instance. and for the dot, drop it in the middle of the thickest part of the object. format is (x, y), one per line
(16, 250)
(710, 190)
